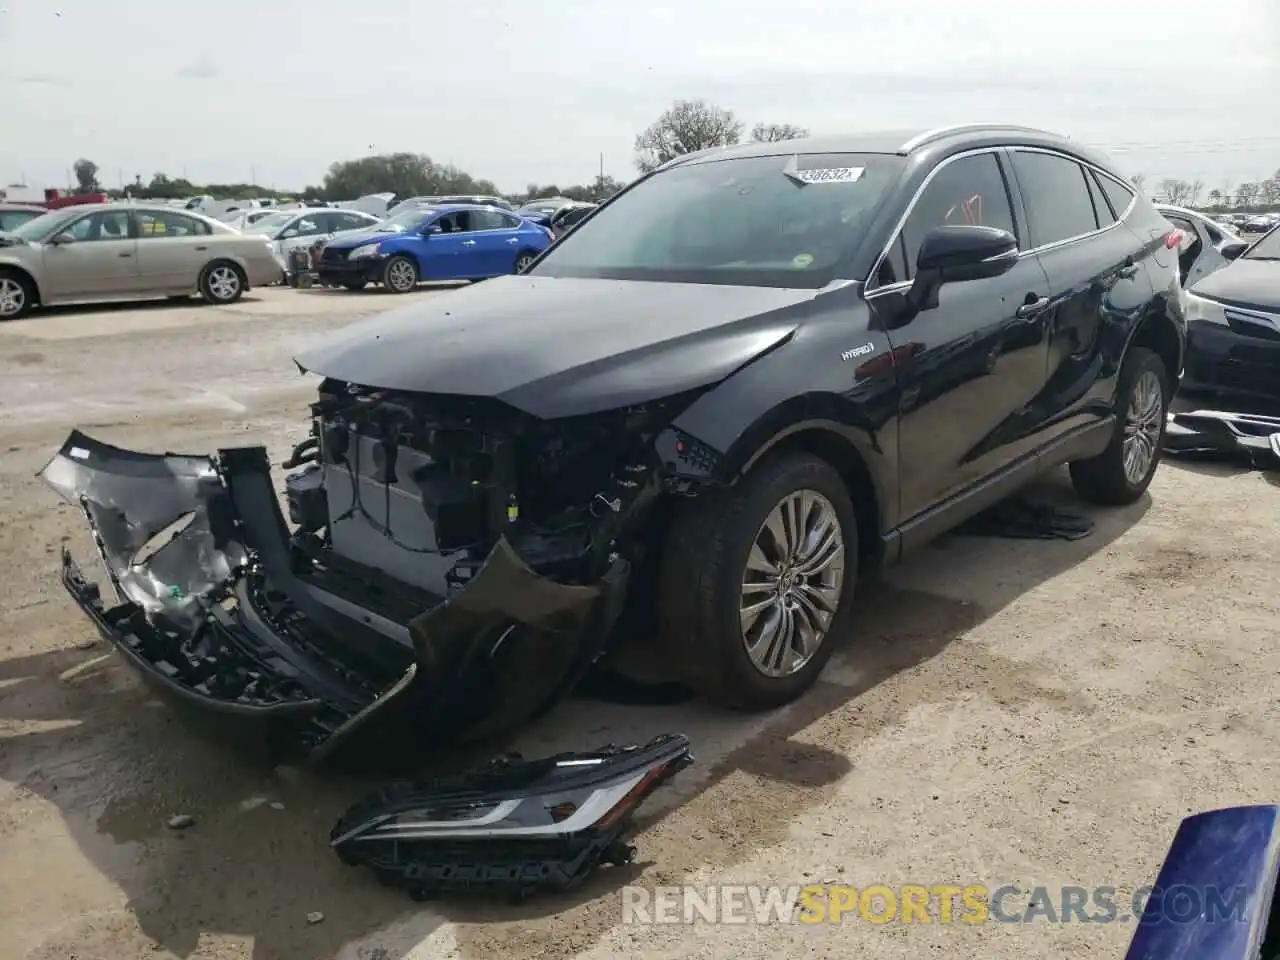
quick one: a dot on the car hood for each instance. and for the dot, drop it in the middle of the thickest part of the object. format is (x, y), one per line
(1244, 283)
(350, 239)
(557, 347)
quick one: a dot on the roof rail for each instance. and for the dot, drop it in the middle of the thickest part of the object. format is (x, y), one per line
(937, 133)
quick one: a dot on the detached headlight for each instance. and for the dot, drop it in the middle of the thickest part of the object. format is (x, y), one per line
(362, 253)
(514, 827)
(1199, 308)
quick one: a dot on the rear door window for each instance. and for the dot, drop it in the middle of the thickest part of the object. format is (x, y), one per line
(488, 220)
(1059, 205)
(970, 190)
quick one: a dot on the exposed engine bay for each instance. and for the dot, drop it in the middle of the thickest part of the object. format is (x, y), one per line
(453, 568)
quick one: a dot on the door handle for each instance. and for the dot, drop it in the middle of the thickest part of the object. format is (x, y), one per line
(1029, 310)
(202, 248)
(1128, 271)
(125, 254)
(468, 243)
(514, 240)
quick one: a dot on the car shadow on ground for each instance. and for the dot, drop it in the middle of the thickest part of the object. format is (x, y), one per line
(88, 739)
(119, 306)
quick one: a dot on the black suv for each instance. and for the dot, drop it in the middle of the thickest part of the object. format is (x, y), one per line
(743, 380)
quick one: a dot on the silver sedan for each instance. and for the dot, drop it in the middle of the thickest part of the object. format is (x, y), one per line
(127, 252)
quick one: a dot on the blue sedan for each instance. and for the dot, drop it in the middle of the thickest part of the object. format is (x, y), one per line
(447, 242)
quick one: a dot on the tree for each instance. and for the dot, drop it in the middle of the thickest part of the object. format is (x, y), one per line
(1138, 180)
(1181, 193)
(774, 132)
(1247, 194)
(1269, 192)
(685, 127)
(86, 172)
(404, 174)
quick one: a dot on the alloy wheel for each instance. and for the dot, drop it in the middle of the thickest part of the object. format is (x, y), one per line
(224, 283)
(12, 298)
(792, 583)
(400, 276)
(1142, 424)
(523, 261)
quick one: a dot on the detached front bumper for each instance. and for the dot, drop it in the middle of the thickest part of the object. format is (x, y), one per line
(364, 270)
(234, 627)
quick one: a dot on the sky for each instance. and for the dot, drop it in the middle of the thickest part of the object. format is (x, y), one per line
(518, 92)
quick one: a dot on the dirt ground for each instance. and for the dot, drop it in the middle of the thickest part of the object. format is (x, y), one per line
(1005, 712)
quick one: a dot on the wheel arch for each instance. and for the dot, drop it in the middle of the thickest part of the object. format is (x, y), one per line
(1159, 333)
(28, 276)
(840, 446)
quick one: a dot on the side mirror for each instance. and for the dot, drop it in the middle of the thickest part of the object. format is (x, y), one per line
(956, 254)
(431, 228)
(62, 239)
(290, 233)
(1233, 249)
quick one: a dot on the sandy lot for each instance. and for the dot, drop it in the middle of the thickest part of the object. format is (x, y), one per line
(1005, 712)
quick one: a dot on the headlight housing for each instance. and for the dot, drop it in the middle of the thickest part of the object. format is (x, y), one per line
(363, 253)
(515, 827)
(1201, 308)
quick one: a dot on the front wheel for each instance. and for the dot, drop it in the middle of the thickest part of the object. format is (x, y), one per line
(524, 261)
(17, 295)
(1121, 474)
(400, 275)
(757, 582)
(221, 283)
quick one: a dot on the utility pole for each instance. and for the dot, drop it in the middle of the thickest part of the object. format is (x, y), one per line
(253, 175)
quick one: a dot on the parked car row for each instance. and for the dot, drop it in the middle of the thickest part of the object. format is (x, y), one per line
(126, 252)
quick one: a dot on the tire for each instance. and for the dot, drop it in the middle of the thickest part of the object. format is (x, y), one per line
(355, 284)
(523, 261)
(1142, 408)
(17, 295)
(400, 274)
(704, 567)
(222, 282)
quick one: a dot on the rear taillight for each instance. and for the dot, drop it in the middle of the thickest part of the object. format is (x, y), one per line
(1173, 239)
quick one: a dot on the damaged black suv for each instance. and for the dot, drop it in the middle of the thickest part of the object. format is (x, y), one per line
(747, 377)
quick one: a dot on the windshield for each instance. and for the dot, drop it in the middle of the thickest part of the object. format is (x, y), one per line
(538, 209)
(270, 223)
(767, 221)
(46, 225)
(1268, 248)
(411, 204)
(404, 220)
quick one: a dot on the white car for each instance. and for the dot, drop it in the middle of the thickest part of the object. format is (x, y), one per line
(243, 219)
(1206, 245)
(290, 230)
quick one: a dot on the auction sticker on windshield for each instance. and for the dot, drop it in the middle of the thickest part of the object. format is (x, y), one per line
(802, 260)
(828, 175)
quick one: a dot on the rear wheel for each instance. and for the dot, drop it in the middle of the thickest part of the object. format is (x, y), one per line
(400, 275)
(1121, 473)
(757, 582)
(222, 282)
(524, 260)
(17, 295)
